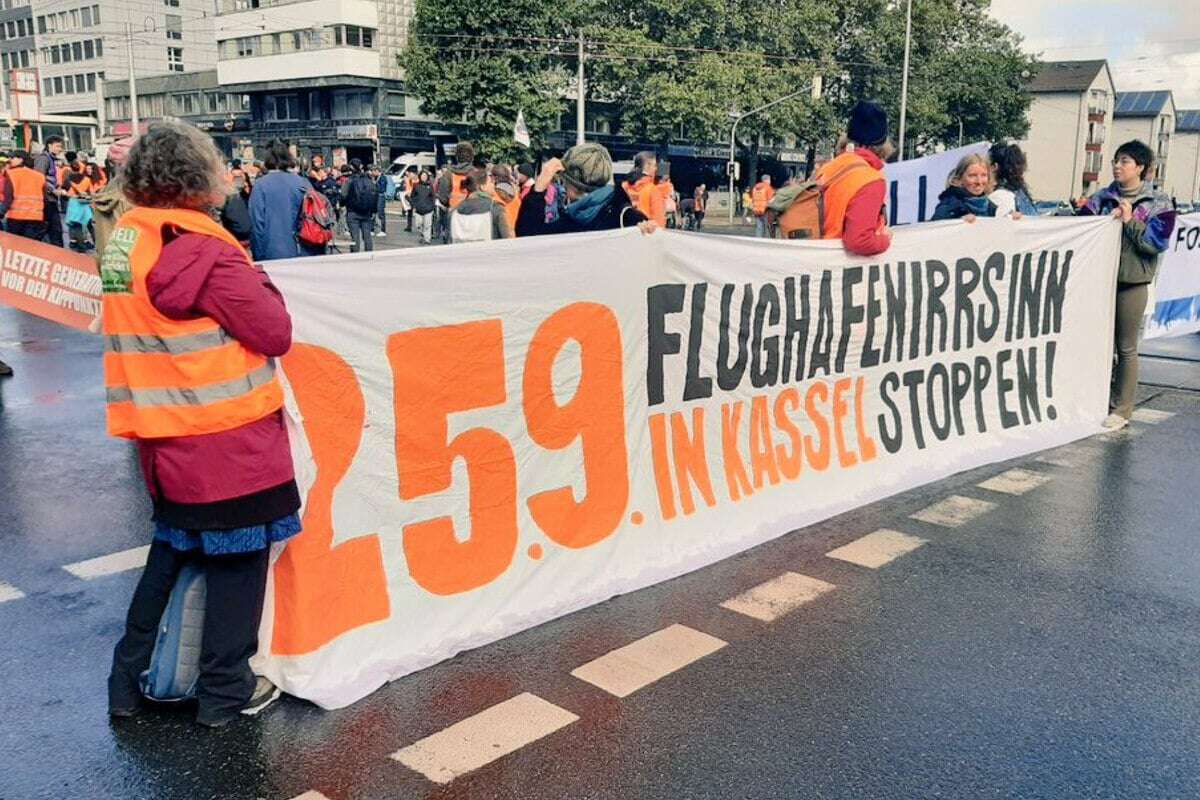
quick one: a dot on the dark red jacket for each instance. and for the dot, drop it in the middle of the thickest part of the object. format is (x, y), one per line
(242, 476)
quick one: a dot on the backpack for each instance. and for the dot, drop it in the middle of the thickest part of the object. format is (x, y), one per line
(800, 210)
(362, 197)
(175, 663)
(316, 219)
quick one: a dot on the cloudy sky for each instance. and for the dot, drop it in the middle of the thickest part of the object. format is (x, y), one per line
(1149, 44)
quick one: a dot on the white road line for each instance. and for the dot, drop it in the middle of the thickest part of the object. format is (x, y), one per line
(1152, 416)
(1015, 481)
(311, 794)
(9, 592)
(638, 664)
(479, 740)
(110, 564)
(954, 511)
(771, 600)
(878, 548)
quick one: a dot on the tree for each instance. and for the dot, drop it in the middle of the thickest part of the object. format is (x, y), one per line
(483, 61)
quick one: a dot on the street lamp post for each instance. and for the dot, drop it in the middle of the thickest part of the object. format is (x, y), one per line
(904, 80)
(814, 90)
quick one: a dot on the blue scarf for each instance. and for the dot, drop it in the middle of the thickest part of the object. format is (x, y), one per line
(585, 210)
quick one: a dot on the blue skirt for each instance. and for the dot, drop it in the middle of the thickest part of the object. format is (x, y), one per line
(229, 542)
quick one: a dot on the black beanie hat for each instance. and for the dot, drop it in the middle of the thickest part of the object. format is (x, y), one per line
(868, 124)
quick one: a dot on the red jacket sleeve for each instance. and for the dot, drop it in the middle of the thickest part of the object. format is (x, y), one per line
(198, 275)
(864, 233)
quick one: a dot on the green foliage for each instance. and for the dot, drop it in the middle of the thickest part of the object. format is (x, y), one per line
(675, 69)
(483, 61)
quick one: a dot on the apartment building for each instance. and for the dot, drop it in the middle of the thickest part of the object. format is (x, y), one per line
(1069, 142)
(324, 74)
(80, 44)
(1149, 117)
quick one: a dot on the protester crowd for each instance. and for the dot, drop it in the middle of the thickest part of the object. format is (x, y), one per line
(184, 300)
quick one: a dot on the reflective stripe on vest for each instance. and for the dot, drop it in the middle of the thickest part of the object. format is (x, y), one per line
(855, 173)
(166, 377)
(196, 396)
(29, 195)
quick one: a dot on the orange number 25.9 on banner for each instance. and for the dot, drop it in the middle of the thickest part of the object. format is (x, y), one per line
(436, 372)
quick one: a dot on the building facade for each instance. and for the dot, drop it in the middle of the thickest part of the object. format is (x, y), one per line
(80, 44)
(1150, 118)
(1069, 143)
(194, 97)
(323, 74)
(1185, 168)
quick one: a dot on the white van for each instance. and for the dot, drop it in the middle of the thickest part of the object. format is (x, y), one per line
(406, 161)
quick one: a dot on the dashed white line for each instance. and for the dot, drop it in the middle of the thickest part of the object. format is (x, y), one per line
(110, 564)
(878, 548)
(638, 664)
(481, 739)
(1015, 481)
(9, 592)
(771, 600)
(954, 511)
(1152, 416)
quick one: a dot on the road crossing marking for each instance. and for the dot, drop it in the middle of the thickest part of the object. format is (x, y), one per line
(878, 548)
(771, 600)
(639, 664)
(9, 592)
(1152, 416)
(483, 738)
(954, 511)
(1015, 481)
(110, 564)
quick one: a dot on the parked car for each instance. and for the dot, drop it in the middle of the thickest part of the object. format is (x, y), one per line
(1185, 208)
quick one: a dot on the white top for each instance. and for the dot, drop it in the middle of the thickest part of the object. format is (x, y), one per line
(1005, 200)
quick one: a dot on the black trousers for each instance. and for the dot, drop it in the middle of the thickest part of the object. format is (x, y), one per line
(236, 585)
(26, 228)
(54, 228)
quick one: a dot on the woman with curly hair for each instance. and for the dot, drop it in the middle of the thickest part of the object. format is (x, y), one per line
(191, 328)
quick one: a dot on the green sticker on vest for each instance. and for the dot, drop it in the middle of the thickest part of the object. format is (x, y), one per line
(116, 273)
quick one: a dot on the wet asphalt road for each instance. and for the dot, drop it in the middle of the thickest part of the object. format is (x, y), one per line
(1047, 649)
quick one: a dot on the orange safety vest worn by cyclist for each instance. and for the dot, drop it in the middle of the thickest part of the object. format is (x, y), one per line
(760, 195)
(849, 173)
(647, 198)
(29, 195)
(167, 377)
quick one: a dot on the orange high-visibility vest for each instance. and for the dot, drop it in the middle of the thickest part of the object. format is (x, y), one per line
(29, 195)
(512, 208)
(852, 173)
(458, 189)
(760, 195)
(647, 198)
(168, 377)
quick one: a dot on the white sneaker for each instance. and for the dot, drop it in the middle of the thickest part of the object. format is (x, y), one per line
(380, 234)
(1114, 422)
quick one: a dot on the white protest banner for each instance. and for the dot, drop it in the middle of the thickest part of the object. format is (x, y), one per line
(1175, 310)
(914, 185)
(491, 435)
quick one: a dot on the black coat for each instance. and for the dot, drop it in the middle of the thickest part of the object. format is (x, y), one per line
(618, 212)
(956, 203)
(422, 198)
(235, 217)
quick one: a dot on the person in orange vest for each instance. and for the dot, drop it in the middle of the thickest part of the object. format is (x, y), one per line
(643, 188)
(191, 329)
(25, 198)
(504, 190)
(760, 196)
(855, 184)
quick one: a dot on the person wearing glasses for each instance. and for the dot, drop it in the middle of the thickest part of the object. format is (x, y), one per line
(1147, 217)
